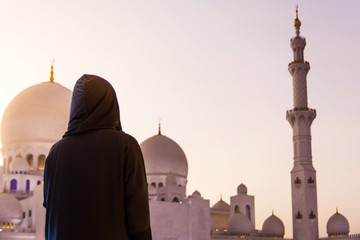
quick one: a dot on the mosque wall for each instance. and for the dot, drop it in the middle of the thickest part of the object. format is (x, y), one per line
(220, 220)
(40, 212)
(200, 222)
(28, 207)
(189, 220)
(169, 221)
(16, 235)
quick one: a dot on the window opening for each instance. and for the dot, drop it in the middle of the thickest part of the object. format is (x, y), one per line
(13, 184)
(237, 209)
(41, 162)
(30, 160)
(27, 185)
(248, 212)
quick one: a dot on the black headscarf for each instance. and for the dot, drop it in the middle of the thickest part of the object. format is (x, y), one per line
(100, 111)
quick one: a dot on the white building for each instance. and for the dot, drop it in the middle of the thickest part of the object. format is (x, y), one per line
(37, 118)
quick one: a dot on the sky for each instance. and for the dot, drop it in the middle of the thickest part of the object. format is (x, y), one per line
(215, 73)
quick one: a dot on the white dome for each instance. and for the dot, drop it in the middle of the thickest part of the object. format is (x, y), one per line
(242, 189)
(19, 164)
(162, 156)
(337, 224)
(273, 226)
(10, 209)
(39, 113)
(239, 224)
(221, 206)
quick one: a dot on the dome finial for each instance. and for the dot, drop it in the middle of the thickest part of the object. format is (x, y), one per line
(159, 130)
(220, 197)
(272, 212)
(297, 22)
(337, 210)
(52, 60)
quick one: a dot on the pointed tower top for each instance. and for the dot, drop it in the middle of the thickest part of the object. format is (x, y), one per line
(159, 130)
(52, 60)
(297, 22)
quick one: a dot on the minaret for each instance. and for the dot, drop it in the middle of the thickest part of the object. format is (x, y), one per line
(303, 174)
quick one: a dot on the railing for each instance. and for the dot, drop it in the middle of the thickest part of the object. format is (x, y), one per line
(301, 109)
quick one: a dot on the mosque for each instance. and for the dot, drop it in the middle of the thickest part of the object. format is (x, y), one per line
(37, 117)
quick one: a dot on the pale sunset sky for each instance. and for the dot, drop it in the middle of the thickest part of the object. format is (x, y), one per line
(215, 72)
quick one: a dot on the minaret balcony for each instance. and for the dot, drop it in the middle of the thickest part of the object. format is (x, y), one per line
(298, 64)
(300, 109)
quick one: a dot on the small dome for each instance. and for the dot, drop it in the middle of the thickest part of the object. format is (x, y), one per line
(19, 164)
(10, 209)
(273, 226)
(39, 113)
(221, 206)
(239, 224)
(242, 189)
(170, 180)
(196, 194)
(337, 224)
(162, 155)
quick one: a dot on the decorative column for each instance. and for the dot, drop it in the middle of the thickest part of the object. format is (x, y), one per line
(303, 174)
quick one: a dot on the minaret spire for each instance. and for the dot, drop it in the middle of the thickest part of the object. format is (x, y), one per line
(159, 128)
(297, 22)
(52, 60)
(303, 174)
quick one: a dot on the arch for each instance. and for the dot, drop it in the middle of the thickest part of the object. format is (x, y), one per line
(41, 162)
(160, 185)
(30, 160)
(13, 185)
(236, 209)
(38, 182)
(175, 199)
(302, 119)
(248, 212)
(153, 184)
(293, 119)
(27, 188)
(163, 199)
